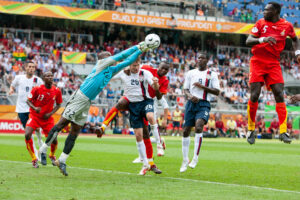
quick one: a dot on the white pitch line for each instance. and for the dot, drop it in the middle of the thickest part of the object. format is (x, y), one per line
(172, 178)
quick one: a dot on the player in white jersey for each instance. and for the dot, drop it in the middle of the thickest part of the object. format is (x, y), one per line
(22, 84)
(141, 104)
(199, 86)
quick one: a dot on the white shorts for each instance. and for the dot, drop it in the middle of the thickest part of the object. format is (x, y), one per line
(77, 108)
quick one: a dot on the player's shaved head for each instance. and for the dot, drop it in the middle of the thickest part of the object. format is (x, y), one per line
(48, 79)
(202, 60)
(276, 6)
(104, 54)
(163, 68)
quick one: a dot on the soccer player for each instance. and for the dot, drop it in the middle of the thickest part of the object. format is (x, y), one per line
(268, 40)
(123, 103)
(200, 84)
(41, 102)
(76, 110)
(136, 91)
(23, 85)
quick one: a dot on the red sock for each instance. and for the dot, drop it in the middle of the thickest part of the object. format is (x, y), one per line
(149, 148)
(251, 110)
(53, 149)
(29, 146)
(282, 116)
(110, 115)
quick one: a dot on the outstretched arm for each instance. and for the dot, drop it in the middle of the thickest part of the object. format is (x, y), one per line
(252, 40)
(128, 61)
(104, 63)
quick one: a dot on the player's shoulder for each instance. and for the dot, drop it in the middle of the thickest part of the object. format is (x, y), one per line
(286, 23)
(145, 72)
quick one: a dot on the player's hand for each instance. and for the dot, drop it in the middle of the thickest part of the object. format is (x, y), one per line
(155, 83)
(199, 85)
(295, 99)
(37, 109)
(270, 40)
(194, 99)
(11, 91)
(127, 71)
(47, 115)
(298, 59)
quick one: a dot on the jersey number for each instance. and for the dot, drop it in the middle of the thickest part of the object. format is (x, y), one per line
(200, 80)
(27, 89)
(265, 29)
(70, 113)
(134, 82)
(40, 97)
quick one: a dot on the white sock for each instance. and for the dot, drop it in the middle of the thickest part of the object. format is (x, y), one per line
(154, 129)
(153, 140)
(197, 145)
(142, 151)
(185, 148)
(44, 148)
(63, 157)
(39, 137)
(103, 126)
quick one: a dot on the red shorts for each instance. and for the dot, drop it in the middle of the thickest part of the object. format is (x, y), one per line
(265, 71)
(46, 125)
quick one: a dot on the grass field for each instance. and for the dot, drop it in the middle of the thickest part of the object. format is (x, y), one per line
(102, 169)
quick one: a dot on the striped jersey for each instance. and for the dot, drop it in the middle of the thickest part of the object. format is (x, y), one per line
(207, 78)
(104, 71)
(136, 85)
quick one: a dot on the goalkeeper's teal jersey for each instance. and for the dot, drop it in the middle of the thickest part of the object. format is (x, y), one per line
(103, 71)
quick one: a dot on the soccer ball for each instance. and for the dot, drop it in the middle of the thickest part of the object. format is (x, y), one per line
(152, 41)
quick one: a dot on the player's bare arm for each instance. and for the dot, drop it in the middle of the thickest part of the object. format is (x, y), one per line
(296, 45)
(207, 89)
(47, 115)
(36, 109)
(189, 96)
(295, 98)
(11, 90)
(252, 40)
(155, 86)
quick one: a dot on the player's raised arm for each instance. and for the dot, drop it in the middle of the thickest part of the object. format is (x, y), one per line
(128, 61)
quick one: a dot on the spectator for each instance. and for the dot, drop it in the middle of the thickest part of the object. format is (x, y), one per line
(212, 126)
(110, 92)
(176, 116)
(231, 127)
(274, 128)
(220, 127)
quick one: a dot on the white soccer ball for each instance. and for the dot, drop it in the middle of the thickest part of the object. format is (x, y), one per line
(152, 41)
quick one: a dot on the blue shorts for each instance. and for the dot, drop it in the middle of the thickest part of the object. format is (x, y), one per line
(176, 124)
(138, 111)
(195, 111)
(23, 118)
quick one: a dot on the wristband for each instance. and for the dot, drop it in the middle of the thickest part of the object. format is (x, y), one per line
(297, 52)
(261, 39)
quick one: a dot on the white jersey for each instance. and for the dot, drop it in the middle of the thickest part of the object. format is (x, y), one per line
(207, 78)
(136, 85)
(23, 85)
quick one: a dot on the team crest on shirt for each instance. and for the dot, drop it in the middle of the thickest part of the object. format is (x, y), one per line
(282, 33)
(254, 30)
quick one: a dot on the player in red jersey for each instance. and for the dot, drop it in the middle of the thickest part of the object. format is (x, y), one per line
(268, 40)
(41, 102)
(123, 105)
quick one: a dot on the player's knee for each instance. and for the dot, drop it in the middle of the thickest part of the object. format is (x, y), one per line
(27, 136)
(186, 131)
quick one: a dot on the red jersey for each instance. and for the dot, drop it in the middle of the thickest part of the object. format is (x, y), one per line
(44, 98)
(279, 30)
(274, 125)
(219, 124)
(162, 81)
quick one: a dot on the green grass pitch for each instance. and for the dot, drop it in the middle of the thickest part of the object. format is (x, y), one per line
(103, 169)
